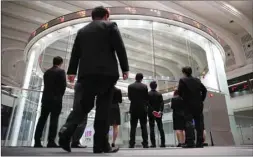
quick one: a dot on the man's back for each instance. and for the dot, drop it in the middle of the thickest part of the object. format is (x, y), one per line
(54, 84)
(155, 100)
(138, 95)
(192, 90)
(95, 45)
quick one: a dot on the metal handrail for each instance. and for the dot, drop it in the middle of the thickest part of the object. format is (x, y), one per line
(34, 90)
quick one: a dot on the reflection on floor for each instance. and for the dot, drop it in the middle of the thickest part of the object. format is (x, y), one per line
(212, 151)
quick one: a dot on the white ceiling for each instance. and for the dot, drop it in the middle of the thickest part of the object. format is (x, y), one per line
(21, 18)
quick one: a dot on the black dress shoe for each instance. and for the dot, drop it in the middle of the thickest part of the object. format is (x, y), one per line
(77, 146)
(131, 146)
(113, 145)
(64, 142)
(52, 145)
(188, 146)
(38, 145)
(107, 150)
(162, 145)
(145, 146)
(153, 146)
(112, 150)
(205, 144)
(180, 145)
(199, 145)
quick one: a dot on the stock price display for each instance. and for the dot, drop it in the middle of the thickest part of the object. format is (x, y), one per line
(239, 87)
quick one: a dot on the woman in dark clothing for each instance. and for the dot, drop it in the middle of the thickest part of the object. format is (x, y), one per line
(115, 113)
(178, 118)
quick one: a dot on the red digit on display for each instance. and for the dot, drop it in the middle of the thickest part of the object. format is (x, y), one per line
(61, 19)
(245, 86)
(234, 88)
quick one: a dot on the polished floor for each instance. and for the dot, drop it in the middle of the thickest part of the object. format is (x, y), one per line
(208, 151)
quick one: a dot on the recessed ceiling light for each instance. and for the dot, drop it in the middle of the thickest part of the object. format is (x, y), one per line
(50, 35)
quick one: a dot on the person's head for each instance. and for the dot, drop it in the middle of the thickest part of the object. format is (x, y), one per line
(139, 77)
(100, 13)
(187, 71)
(57, 61)
(153, 85)
(176, 93)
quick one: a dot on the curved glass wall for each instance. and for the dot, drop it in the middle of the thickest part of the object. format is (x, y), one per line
(157, 49)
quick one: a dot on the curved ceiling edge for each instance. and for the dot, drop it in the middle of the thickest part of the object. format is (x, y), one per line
(125, 11)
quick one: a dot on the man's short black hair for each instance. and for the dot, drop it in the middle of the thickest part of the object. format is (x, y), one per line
(153, 85)
(99, 13)
(187, 71)
(57, 60)
(139, 77)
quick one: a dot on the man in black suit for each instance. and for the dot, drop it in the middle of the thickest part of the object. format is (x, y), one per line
(193, 93)
(138, 95)
(94, 55)
(54, 88)
(155, 100)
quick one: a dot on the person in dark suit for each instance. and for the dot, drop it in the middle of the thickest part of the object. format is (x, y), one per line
(115, 113)
(54, 89)
(94, 56)
(177, 105)
(155, 101)
(138, 95)
(193, 93)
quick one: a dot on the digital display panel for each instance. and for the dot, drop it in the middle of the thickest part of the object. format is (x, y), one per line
(128, 11)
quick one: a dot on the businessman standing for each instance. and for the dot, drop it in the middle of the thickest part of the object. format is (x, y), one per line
(94, 56)
(155, 104)
(193, 93)
(138, 95)
(54, 88)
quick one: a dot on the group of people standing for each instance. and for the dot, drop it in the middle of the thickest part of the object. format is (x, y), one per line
(94, 57)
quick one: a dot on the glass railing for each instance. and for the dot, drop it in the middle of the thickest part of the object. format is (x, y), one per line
(18, 126)
(244, 125)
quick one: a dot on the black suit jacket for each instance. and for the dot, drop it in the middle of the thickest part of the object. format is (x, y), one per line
(54, 85)
(138, 95)
(94, 50)
(117, 98)
(192, 91)
(155, 101)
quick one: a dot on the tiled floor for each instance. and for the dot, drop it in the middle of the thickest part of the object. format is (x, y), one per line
(208, 151)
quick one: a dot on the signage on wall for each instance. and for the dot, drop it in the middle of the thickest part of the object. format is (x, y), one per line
(239, 87)
(87, 137)
(126, 11)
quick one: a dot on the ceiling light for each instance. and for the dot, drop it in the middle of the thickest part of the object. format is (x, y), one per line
(140, 22)
(69, 28)
(179, 29)
(50, 35)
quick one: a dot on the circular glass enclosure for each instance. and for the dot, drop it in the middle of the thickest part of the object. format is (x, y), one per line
(158, 50)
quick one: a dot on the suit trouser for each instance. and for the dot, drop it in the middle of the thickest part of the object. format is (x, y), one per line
(142, 116)
(159, 123)
(79, 131)
(100, 87)
(81, 127)
(197, 115)
(54, 110)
